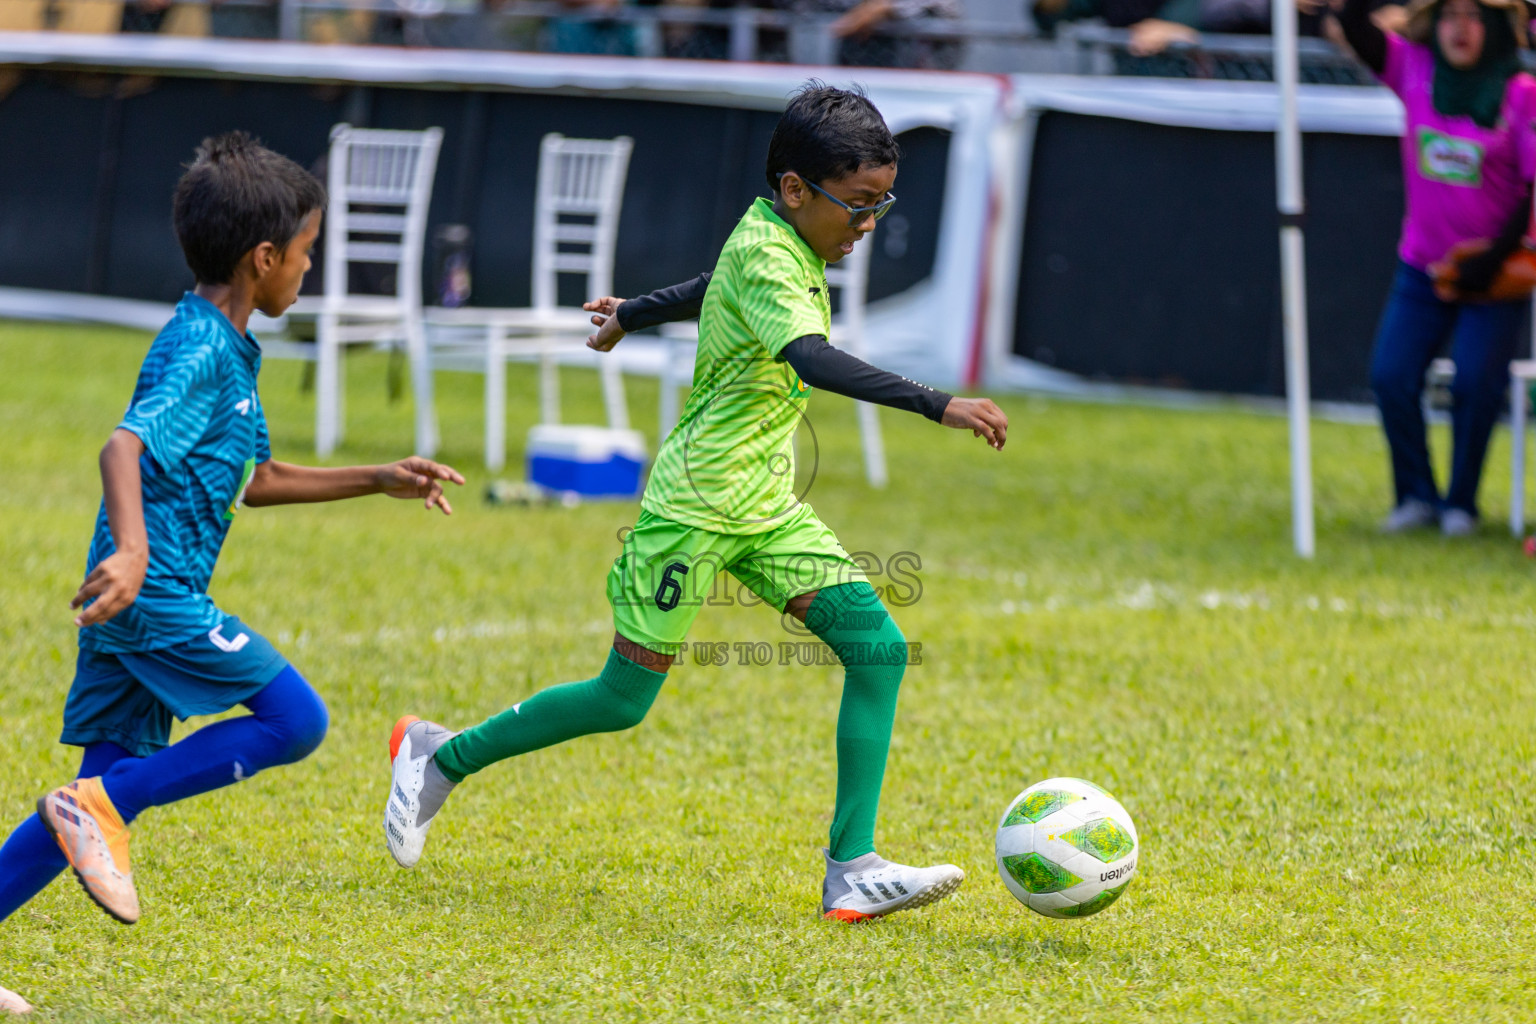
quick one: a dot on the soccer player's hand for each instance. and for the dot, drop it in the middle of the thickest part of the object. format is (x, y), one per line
(980, 416)
(114, 584)
(417, 477)
(606, 319)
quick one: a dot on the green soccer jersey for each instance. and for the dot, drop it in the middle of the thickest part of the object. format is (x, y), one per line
(729, 464)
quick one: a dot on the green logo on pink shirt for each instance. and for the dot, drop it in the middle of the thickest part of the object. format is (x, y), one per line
(1449, 159)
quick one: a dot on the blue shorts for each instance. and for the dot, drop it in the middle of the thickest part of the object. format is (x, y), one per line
(129, 699)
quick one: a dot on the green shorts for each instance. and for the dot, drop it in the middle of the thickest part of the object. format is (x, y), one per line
(667, 572)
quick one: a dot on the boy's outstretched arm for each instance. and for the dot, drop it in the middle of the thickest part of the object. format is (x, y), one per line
(283, 483)
(614, 317)
(115, 582)
(831, 369)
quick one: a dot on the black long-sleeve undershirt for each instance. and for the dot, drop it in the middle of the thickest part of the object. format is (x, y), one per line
(1368, 41)
(817, 363)
(665, 305)
(831, 369)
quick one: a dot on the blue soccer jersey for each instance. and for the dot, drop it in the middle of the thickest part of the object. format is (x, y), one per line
(196, 410)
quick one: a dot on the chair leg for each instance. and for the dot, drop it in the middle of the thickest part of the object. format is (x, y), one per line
(874, 445)
(613, 392)
(421, 386)
(495, 401)
(1517, 455)
(549, 386)
(328, 386)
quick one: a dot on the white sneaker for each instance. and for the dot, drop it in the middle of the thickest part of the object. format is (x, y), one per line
(1412, 514)
(869, 887)
(10, 1002)
(417, 788)
(1457, 522)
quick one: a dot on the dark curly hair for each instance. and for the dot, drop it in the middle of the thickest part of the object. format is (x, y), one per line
(235, 195)
(827, 133)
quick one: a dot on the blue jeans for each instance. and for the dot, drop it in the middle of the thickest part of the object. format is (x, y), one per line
(1413, 328)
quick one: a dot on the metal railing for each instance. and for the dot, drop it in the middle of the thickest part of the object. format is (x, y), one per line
(750, 33)
(1106, 51)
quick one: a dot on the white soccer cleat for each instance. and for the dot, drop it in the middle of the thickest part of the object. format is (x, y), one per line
(869, 886)
(10, 1002)
(417, 788)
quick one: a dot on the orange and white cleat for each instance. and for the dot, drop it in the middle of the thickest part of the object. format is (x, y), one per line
(10, 1002)
(95, 842)
(868, 887)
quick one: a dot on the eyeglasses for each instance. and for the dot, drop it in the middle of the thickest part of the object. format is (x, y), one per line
(855, 213)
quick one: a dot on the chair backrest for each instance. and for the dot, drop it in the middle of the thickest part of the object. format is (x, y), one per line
(576, 213)
(849, 276)
(389, 174)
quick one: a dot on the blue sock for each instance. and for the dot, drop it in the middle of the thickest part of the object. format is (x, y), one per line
(287, 721)
(30, 858)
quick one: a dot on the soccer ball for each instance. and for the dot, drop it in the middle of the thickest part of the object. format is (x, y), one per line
(1066, 848)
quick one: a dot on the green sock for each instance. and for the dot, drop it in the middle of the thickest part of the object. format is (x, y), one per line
(617, 699)
(853, 622)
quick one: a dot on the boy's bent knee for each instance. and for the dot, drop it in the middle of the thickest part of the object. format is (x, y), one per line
(625, 691)
(294, 712)
(308, 731)
(851, 620)
(621, 713)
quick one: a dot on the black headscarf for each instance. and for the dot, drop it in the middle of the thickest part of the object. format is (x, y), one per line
(1478, 91)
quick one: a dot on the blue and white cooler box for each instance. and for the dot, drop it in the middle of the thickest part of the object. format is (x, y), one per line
(594, 462)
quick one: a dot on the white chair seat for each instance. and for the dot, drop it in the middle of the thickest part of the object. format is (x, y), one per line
(519, 319)
(379, 307)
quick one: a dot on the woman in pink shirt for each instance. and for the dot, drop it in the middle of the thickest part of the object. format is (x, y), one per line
(1469, 154)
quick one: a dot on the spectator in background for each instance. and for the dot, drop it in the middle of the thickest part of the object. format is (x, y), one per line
(862, 45)
(604, 36)
(1153, 24)
(1156, 24)
(1316, 17)
(166, 17)
(1468, 154)
(690, 41)
(144, 15)
(353, 26)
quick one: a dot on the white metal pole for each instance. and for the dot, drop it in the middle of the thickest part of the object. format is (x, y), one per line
(1293, 278)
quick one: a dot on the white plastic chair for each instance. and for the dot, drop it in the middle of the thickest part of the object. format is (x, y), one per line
(578, 199)
(850, 278)
(389, 174)
(576, 216)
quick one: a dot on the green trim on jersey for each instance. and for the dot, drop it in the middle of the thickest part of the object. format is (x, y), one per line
(729, 464)
(668, 572)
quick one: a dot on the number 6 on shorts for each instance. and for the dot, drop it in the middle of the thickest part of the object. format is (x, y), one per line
(671, 589)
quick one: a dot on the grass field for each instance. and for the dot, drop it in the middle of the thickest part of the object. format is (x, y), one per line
(1330, 764)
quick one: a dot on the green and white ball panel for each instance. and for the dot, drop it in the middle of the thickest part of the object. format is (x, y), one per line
(1066, 848)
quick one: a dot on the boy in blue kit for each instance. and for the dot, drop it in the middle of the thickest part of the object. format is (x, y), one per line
(190, 451)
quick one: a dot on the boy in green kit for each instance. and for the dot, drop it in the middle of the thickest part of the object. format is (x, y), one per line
(721, 497)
